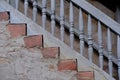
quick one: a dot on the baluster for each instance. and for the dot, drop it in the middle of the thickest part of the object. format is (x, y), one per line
(100, 45)
(62, 19)
(71, 18)
(52, 17)
(90, 42)
(43, 13)
(109, 46)
(35, 10)
(25, 7)
(118, 54)
(17, 2)
(81, 28)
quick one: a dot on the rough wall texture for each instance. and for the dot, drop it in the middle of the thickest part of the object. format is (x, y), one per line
(20, 63)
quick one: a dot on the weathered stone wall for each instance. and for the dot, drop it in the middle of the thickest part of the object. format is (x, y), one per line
(20, 63)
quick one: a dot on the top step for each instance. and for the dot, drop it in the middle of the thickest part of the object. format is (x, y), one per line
(4, 16)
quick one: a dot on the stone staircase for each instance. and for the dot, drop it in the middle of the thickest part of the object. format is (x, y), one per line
(58, 63)
(24, 57)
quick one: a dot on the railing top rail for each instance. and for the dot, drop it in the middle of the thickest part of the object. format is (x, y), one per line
(98, 15)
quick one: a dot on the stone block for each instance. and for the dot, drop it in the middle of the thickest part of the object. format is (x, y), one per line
(67, 64)
(50, 52)
(33, 41)
(17, 30)
(85, 75)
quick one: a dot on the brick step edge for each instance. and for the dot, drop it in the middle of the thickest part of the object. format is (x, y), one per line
(4, 16)
(17, 29)
(67, 64)
(85, 75)
(34, 41)
(50, 52)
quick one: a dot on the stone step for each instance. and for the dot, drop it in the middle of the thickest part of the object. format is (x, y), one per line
(17, 29)
(34, 41)
(67, 64)
(50, 52)
(85, 75)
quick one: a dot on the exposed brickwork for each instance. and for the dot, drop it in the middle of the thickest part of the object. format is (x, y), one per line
(17, 30)
(50, 52)
(85, 75)
(4, 16)
(67, 64)
(34, 41)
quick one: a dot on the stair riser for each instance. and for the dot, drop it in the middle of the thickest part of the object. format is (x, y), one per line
(67, 64)
(50, 52)
(17, 30)
(4, 16)
(86, 75)
(34, 41)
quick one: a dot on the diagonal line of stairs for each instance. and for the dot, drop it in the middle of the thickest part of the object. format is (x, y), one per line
(65, 52)
(22, 52)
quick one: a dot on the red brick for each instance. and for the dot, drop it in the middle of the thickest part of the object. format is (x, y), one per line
(4, 16)
(85, 75)
(17, 30)
(34, 41)
(68, 64)
(50, 52)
